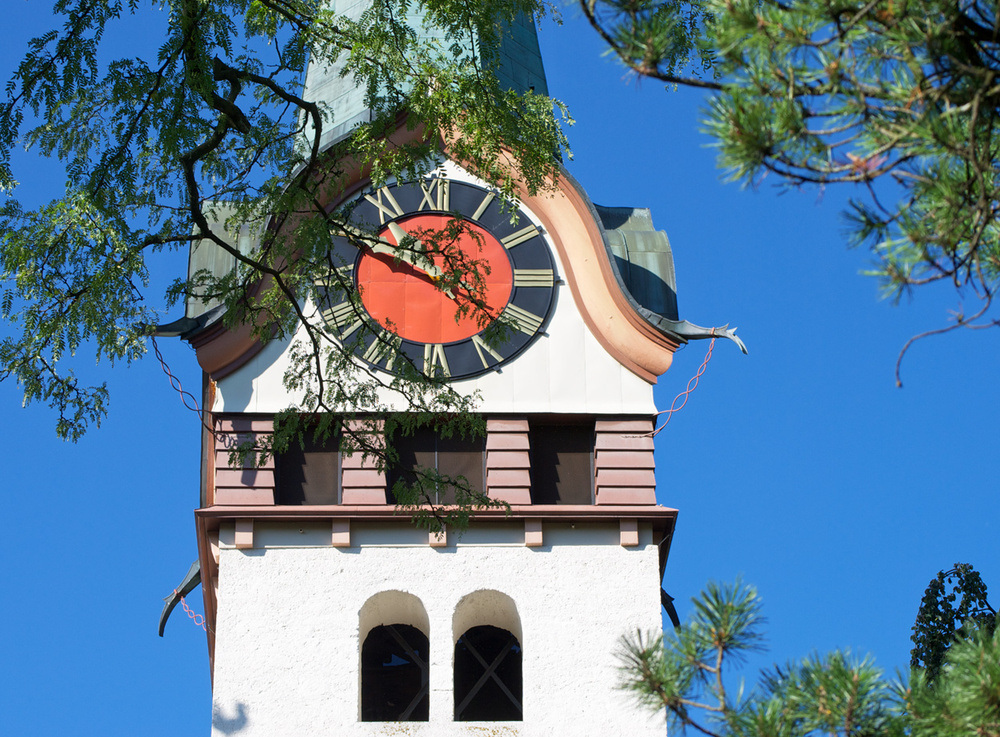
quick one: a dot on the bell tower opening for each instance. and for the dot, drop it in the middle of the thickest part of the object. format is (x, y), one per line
(455, 457)
(394, 675)
(488, 685)
(394, 659)
(488, 678)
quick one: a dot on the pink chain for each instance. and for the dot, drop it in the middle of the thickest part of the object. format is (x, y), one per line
(198, 619)
(691, 386)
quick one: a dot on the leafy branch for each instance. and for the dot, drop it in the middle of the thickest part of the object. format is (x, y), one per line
(941, 622)
(212, 132)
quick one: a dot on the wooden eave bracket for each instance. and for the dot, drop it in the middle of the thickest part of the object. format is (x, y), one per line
(533, 533)
(243, 537)
(438, 539)
(629, 533)
(341, 533)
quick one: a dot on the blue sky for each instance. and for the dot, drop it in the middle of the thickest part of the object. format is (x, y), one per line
(800, 467)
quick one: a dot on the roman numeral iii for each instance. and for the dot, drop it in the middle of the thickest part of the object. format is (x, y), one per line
(520, 236)
(534, 277)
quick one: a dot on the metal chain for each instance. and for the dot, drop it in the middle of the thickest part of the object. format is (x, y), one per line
(691, 386)
(198, 619)
(187, 398)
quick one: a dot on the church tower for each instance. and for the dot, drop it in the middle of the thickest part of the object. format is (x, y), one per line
(328, 611)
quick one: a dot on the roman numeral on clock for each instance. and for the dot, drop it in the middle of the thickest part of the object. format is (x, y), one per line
(383, 348)
(520, 236)
(437, 195)
(339, 279)
(356, 237)
(534, 277)
(527, 322)
(483, 205)
(386, 204)
(343, 317)
(345, 273)
(338, 313)
(435, 361)
(483, 348)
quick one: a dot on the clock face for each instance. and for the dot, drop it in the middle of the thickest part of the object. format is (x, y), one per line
(409, 308)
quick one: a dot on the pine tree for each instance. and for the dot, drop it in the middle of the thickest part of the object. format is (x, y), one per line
(686, 673)
(894, 98)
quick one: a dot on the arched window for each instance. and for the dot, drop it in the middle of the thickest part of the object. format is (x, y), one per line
(394, 659)
(394, 675)
(488, 676)
(488, 681)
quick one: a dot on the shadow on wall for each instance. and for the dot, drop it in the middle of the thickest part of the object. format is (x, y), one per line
(229, 724)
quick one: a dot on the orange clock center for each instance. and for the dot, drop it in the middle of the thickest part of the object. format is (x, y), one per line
(399, 289)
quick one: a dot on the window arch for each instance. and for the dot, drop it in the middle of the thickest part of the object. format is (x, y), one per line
(488, 658)
(394, 658)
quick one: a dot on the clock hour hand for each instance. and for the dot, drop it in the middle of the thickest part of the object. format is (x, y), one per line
(419, 261)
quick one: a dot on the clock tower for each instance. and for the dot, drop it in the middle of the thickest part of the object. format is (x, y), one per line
(328, 611)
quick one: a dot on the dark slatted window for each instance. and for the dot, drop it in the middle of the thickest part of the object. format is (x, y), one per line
(488, 682)
(455, 457)
(562, 468)
(394, 683)
(308, 474)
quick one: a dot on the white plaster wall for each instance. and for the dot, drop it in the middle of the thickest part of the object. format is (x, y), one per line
(565, 370)
(287, 644)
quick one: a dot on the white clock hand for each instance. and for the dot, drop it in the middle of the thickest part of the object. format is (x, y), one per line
(419, 261)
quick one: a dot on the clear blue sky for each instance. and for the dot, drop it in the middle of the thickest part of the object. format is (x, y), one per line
(800, 467)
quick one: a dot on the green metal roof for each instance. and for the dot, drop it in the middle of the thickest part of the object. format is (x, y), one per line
(519, 68)
(644, 267)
